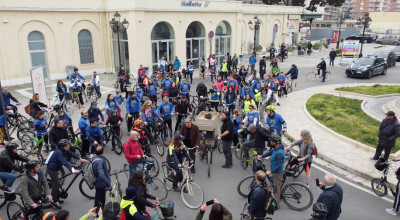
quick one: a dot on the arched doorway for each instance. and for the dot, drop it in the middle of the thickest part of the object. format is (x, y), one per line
(195, 43)
(37, 50)
(123, 43)
(162, 43)
(222, 40)
(274, 36)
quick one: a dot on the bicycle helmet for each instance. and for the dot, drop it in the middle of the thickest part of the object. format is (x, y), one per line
(381, 164)
(11, 146)
(138, 123)
(320, 210)
(31, 164)
(138, 87)
(63, 143)
(275, 138)
(112, 111)
(167, 208)
(270, 107)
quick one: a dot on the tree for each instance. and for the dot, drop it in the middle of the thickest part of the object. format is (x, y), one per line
(311, 7)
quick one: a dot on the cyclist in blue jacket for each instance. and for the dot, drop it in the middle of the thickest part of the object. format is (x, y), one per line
(185, 88)
(166, 110)
(95, 112)
(95, 134)
(112, 104)
(166, 83)
(256, 85)
(119, 98)
(149, 115)
(140, 94)
(41, 126)
(152, 91)
(133, 108)
(246, 90)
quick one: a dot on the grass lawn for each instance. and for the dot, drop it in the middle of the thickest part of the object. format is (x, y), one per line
(345, 117)
(374, 90)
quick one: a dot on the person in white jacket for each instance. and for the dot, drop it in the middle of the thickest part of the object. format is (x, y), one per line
(96, 83)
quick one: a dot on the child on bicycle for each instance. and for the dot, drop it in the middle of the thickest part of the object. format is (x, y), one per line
(95, 134)
(282, 82)
(112, 104)
(41, 126)
(114, 120)
(76, 85)
(67, 120)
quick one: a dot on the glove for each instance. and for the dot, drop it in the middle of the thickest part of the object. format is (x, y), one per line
(152, 197)
(154, 206)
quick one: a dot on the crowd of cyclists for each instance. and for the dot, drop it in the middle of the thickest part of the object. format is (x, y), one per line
(238, 93)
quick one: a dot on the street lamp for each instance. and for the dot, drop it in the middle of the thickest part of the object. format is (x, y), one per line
(341, 20)
(255, 27)
(364, 22)
(118, 27)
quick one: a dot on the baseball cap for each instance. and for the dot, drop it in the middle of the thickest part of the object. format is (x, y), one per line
(179, 137)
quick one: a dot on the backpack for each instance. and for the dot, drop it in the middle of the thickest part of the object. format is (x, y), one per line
(315, 151)
(201, 88)
(49, 216)
(27, 109)
(89, 174)
(270, 201)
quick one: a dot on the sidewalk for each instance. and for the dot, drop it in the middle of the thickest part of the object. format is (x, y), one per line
(332, 147)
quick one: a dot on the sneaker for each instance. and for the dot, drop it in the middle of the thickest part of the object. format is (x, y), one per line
(185, 190)
(60, 201)
(77, 105)
(392, 212)
(56, 205)
(374, 158)
(176, 189)
(192, 170)
(8, 190)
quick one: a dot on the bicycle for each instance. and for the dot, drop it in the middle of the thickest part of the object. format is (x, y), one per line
(6, 197)
(166, 135)
(242, 136)
(75, 97)
(297, 168)
(288, 84)
(111, 133)
(205, 76)
(65, 103)
(155, 169)
(252, 155)
(159, 136)
(191, 193)
(91, 92)
(207, 150)
(16, 211)
(314, 75)
(156, 187)
(117, 83)
(290, 193)
(379, 185)
(245, 215)
(31, 144)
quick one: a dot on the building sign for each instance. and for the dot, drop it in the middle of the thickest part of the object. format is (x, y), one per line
(38, 84)
(294, 17)
(291, 27)
(350, 51)
(196, 4)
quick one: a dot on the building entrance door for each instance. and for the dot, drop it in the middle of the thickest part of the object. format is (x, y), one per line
(194, 50)
(162, 48)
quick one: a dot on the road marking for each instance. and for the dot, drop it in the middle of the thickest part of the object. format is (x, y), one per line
(352, 184)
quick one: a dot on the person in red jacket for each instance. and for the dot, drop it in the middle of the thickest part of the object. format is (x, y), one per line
(134, 153)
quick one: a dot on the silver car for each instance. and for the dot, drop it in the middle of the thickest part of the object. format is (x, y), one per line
(389, 39)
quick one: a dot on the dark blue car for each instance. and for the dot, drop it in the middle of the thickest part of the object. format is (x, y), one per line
(367, 67)
(397, 52)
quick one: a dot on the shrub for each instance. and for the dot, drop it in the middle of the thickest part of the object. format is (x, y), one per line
(258, 48)
(292, 48)
(326, 45)
(339, 52)
(316, 46)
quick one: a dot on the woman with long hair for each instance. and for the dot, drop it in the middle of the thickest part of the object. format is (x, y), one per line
(306, 145)
(218, 212)
(149, 115)
(61, 90)
(137, 181)
(36, 105)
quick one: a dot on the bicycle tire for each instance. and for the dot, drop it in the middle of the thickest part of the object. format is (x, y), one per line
(190, 200)
(3, 200)
(15, 211)
(245, 212)
(84, 189)
(296, 196)
(243, 163)
(244, 186)
(34, 156)
(238, 153)
(219, 146)
(310, 76)
(209, 161)
(379, 187)
(116, 144)
(73, 160)
(155, 169)
(68, 107)
(165, 137)
(157, 188)
(160, 149)
(299, 170)
(93, 96)
(289, 88)
(61, 180)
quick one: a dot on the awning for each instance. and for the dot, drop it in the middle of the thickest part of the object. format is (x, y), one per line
(308, 16)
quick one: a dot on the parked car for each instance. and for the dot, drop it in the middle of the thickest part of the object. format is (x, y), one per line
(388, 56)
(367, 67)
(396, 50)
(389, 39)
(367, 37)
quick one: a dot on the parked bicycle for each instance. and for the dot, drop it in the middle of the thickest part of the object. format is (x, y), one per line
(380, 185)
(314, 75)
(91, 92)
(206, 150)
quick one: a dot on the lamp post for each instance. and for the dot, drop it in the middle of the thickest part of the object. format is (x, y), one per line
(364, 22)
(255, 27)
(341, 20)
(118, 27)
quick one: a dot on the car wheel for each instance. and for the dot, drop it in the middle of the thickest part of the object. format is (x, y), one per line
(384, 71)
(396, 43)
(378, 42)
(369, 74)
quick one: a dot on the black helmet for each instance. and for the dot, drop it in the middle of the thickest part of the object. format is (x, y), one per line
(31, 164)
(320, 210)
(381, 164)
(167, 208)
(11, 146)
(258, 165)
(204, 99)
(63, 142)
(276, 138)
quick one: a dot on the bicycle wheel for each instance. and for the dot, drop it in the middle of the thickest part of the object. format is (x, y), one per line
(289, 88)
(155, 169)
(68, 107)
(192, 195)
(73, 160)
(160, 149)
(86, 190)
(379, 187)
(209, 156)
(157, 188)
(116, 144)
(311, 76)
(244, 163)
(299, 169)
(15, 211)
(3, 200)
(297, 196)
(27, 143)
(238, 153)
(328, 76)
(244, 214)
(34, 156)
(219, 146)
(244, 186)
(165, 137)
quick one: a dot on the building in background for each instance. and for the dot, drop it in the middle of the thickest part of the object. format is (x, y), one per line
(385, 23)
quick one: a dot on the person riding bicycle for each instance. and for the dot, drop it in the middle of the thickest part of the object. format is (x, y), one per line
(36, 105)
(235, 117)
(230, 98)
(166, 110)
(128, 207)
(204, 105)
(7, 97)
(233, 82)
(322, 66)
(95, 134)
(145, 135)
(258, 143)
(114, 120)
(61, 90)
(201, 91)
(277, 153)
(57, 133)
(215, 96)
(182, 107)
(67, 120)
(246, 90)
(83, 125)
(55, 161)
(139, 93)
(258, 97)
(95, 112)
(293, 72)
(256, 85)
(133, 108)
(185, 88)
(142, 194)
(34, 187)
(173, 93)
(96, 83)
(141, 74)
(274, 121)
(256, 197)
(77, 74)
(111, 104)
(7, 165)
(76, 85)
(119, 98)
(213, 73)
(152, 91)
(134, 154)
(274, 70)
(247, 102)
(176, 152)
(40, 126)
(149, 116)
(282, 82)
(220, 83)
(273, 61)
(165, 84)
(273, 88)
(320, 211)
(252, 117)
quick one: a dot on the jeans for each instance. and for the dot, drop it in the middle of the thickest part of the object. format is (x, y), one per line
(178, 176)
(331, 61)
(250, 144)
(100, 197)
(213, 77)
(97, 89)
(7, 178)
(54, 184)
(397, 198)
(227, 152)
(133, 165)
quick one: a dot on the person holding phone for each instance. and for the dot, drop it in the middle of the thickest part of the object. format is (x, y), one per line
(332, 196)
(97, 211)
(218, 211)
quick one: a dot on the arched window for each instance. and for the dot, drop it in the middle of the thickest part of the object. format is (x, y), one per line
(274, 36)
(162, 43)
(195, 35)
(85, 46)
(222, 40)
(37, 50)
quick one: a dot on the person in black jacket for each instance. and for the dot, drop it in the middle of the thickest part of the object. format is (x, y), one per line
(173, 93)
(322, 66)
(201, 90)
(7, 165)
(36, 105)
(395, 210)
(261, 136)
(332, 56)
(182, 107)
(309, 48)
(204, 105)
(114, 120)
(57, 133)
(257, 198)
(388, 132)
(142, 194)
(332, 197)
(263, 66)
(294, 72)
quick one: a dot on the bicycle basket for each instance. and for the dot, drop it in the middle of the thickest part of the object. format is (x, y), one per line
(111, 210)
(381, 164)
(167, 208)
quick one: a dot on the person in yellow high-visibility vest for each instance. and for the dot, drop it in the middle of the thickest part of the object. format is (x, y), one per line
(224, 70)
(258, 97)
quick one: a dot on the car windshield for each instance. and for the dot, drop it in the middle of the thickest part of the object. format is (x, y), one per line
(396, 49)
(365, 61)
(382, 54)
